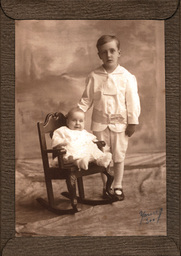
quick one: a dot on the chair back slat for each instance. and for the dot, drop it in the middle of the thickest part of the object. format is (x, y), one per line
(54, 121)
(43, 145)
(51, 123)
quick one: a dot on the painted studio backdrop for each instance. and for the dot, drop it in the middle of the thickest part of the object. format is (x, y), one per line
(53, 59)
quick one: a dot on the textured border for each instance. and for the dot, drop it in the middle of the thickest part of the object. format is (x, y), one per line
(89, 9)
(95, 9)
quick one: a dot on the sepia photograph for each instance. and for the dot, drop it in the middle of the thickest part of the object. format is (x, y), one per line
(90, 128)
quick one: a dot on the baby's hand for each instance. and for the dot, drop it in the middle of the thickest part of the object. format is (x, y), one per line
(60, 145)
(63, 143)
(130, 129)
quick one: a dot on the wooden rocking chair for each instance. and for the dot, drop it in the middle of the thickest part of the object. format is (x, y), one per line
(68, 172)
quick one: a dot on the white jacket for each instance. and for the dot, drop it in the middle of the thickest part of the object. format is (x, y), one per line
(114, 98)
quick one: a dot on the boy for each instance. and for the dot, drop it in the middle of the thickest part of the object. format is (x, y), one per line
(112, 91)
(79, 144)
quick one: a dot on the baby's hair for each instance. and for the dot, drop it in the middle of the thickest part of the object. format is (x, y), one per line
(106, 39)
(72, 111)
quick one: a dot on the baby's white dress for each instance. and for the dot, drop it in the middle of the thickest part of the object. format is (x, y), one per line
(80, 144)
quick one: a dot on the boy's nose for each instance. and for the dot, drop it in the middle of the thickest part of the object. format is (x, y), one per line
(108, 54)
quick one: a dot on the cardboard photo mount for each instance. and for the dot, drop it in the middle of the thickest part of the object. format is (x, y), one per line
(169, 11)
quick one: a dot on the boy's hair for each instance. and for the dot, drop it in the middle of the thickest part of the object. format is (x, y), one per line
(72, 111)
(106, 39)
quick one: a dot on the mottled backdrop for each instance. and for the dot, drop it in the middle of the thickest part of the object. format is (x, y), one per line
(53, 59)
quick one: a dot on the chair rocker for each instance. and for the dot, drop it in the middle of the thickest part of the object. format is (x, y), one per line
(68, 172)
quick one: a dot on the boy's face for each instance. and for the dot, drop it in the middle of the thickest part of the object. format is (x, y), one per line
(76, 121)
(109, 54)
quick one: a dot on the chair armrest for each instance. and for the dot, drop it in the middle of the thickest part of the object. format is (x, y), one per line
(56, 152)
(60, 151)
(100, 144)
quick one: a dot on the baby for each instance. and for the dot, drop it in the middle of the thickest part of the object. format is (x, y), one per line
(79, 144)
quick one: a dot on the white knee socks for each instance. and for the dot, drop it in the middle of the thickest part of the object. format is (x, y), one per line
(118, 174)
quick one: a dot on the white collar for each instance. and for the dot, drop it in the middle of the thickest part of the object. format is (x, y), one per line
(118, 70)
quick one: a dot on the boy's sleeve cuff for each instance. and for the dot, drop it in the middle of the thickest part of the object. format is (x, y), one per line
(81, 107)
(133, 121)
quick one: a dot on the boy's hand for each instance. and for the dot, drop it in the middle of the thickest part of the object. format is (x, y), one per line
(130, 129)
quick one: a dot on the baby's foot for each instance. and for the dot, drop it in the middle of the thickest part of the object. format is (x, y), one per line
(104, 160)
(82, 163)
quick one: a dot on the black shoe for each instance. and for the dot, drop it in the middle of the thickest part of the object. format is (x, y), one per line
(118, 194)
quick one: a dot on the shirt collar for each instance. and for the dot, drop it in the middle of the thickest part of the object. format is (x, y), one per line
(118, 70)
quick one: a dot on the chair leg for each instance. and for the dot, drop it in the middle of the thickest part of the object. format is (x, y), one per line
(83, 200)
(109, 181)
(50, 204)
(81, 187)
(71, 185)
(50, 192)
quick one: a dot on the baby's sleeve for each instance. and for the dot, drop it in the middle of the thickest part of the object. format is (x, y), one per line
(58, 137)
(91, 136)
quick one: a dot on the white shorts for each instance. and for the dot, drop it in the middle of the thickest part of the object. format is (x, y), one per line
(116, 143)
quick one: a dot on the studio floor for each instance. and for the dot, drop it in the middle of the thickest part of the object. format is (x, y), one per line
(143, 212)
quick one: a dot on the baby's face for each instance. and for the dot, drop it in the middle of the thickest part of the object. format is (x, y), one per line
(76, 121)
(109, 54)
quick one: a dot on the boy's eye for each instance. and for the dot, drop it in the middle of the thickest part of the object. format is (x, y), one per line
(112, 50)
(103, 52)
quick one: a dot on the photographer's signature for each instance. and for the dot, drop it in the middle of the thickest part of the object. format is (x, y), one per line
(150, 217)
